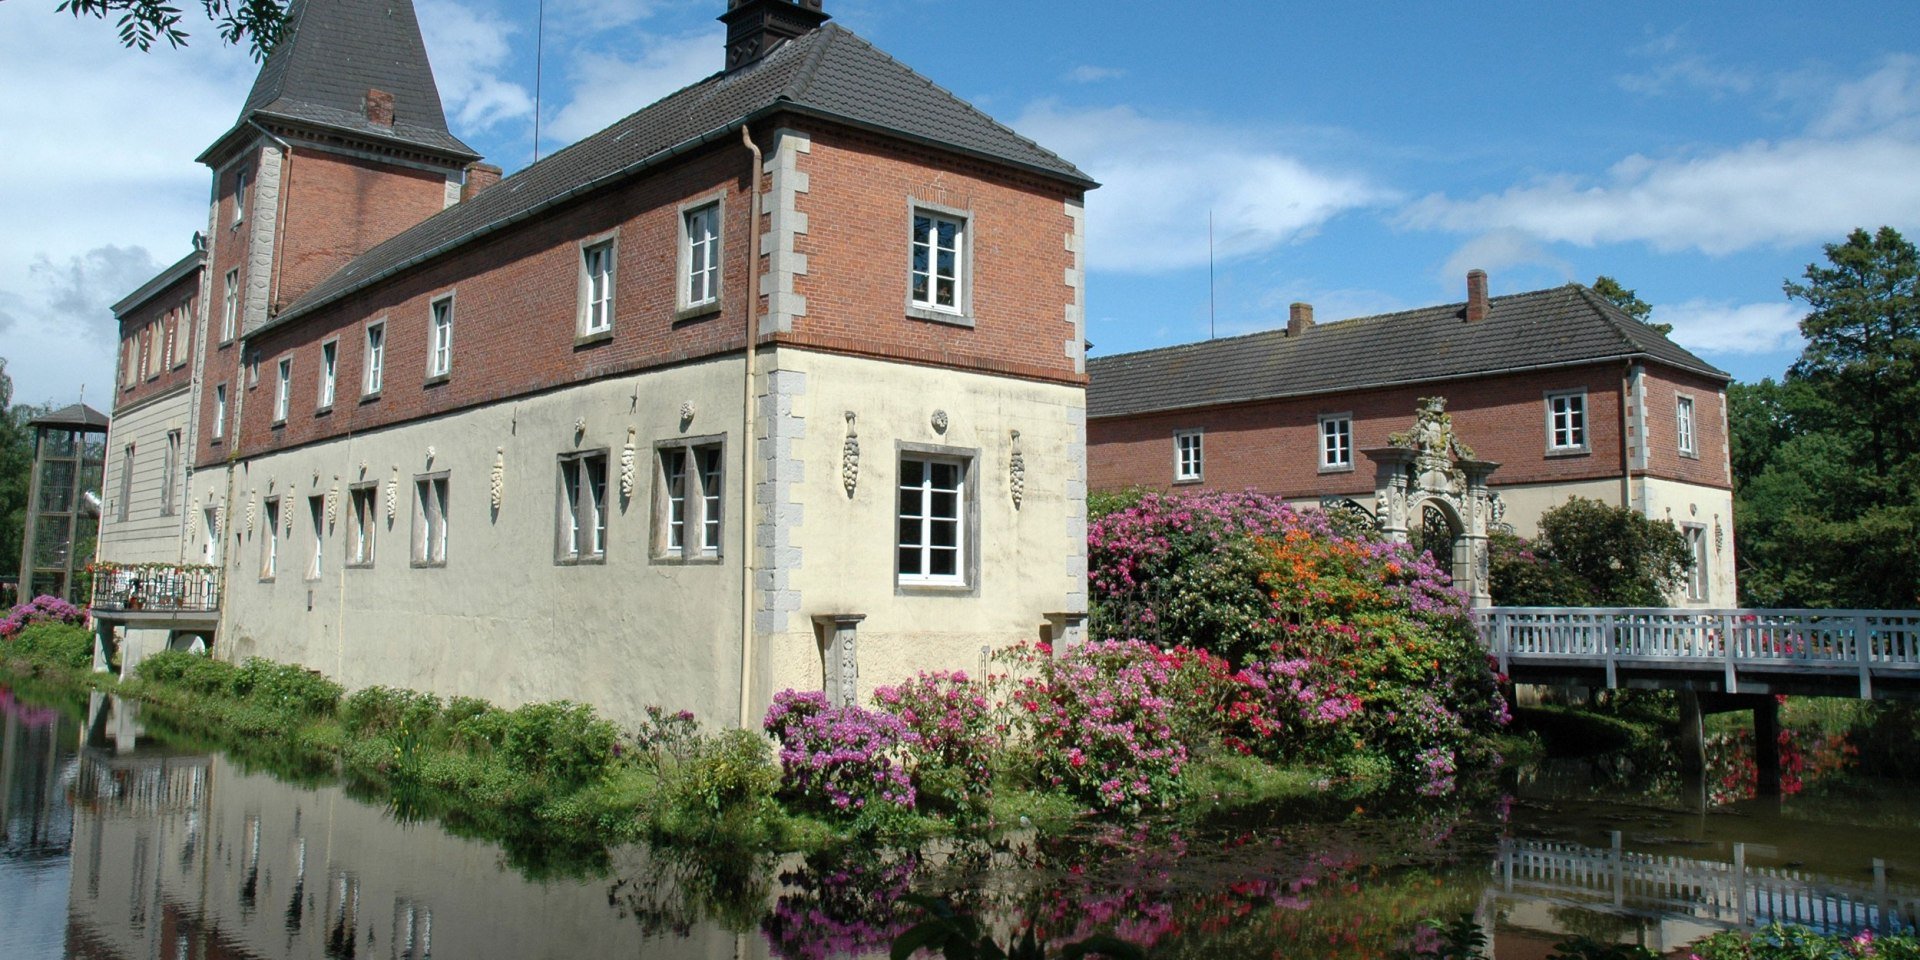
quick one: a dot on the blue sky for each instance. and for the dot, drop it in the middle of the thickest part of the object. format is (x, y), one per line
(1358, 157)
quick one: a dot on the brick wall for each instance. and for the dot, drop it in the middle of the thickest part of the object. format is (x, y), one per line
(1274, 446)
(859, 216)
(164, 323)
(339, 207)
(1708, 465)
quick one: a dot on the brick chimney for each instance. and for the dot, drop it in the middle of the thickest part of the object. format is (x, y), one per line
(379, 108)
(755, 27)
(1476, 296)
(479, 177)
(1299, 319)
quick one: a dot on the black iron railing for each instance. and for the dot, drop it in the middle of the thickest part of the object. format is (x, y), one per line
(158, 587)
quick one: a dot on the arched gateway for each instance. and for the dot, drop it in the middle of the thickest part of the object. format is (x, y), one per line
(1430, 491)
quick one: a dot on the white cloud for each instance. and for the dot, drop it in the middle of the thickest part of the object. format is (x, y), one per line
(1088, 73)
(1162, 177)
(1887, 100)
(607, 87)
(1712, 326)
(469, 47)
(1673, 64)
(1496, 251)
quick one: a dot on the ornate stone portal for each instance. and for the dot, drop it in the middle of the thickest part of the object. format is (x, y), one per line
(1426, 478)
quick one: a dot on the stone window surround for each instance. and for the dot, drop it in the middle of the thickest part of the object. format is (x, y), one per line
(562, 516)
(317, 516)
(1585, 445)
(684, 307)
(363, 493)
(327, 385)
(1180, 436)
(270, 543)
(583, 334)
(424, 519)
(1327, 466)
(219, 431)
(230, 306)
(1699, 584)
(445, 373)
(282, 389)
(1686, 410)
(373, 375)
(969, 460)
(658, 551)
(962, 314)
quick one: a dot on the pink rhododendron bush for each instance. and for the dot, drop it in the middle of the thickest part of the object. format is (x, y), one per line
(1222, 624)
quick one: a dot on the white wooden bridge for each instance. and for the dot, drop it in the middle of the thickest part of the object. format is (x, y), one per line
(1736, 893)
(1864, 653)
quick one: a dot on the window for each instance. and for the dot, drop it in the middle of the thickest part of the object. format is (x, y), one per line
(687, 507)
(130, 362)
(932, 544)
(270, 544)
(1683, 426)
(219, 411)
(700, 256)
(230, 306)
(126, 482)
(440, 341)
(164, 337)
(1336, 441)
(1186, 456)
(156, 347)
(596, 287)
(170, 473)
(937, 271)
(317, 513)
(182, 334)
(1697, 577)
(210, 520)
(1567, 420)
(329, 366)
(376, 358)
(283, 391)
(583, 507)
(362, 498)
(430, 521)
(239, 197)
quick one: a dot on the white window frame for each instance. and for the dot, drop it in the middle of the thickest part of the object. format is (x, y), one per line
(1336, 442)
(597, 288)
(283, 390)
(126, 483)
(1686, 425)
(219, 412)
(156, 348)
(230, 307)
(1699, 579)
(1189, 456)
(317, 517)
(375, 358)
(928, 306)
(210, 519)
(270, 543)
(580, 528)
(240, 196)
(170, 472)
(440, 337)
(914, 507)
(689, 484)
(182, 334)
(329, 371)
(713, 247)
(363, 509)
(1567, 423)
(430, 496)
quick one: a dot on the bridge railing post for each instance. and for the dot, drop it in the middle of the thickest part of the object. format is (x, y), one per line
(1609, 641)
(1863, 649)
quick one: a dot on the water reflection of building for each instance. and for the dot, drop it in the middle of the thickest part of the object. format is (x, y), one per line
(191, 856)
(35, 816)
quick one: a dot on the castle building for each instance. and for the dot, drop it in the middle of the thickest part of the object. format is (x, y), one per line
(1544, 396)
(777, 382)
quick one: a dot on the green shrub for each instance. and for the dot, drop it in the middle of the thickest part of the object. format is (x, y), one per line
(723, 795)
(285, 687)
(59, 644)
(381, 709)
(1777, 942)
(561, 741)
(188, 671)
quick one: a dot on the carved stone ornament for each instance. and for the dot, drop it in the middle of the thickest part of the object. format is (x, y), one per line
(429, 456)
(393, 493)
(850, 458)
(686, 412)
(252, 510)
(1433, 439)
(193, 524)
(497, 481)
(333, 503)
(939, 421)
(1719, 535)
(286, 522)
(363, 469)
(1017, 472)
(579, 427)
(626, 466)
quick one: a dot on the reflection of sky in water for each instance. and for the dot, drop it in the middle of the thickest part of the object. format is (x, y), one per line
(170, 847)
(36, 760)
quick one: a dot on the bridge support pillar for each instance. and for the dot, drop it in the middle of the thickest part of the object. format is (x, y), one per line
(1693, 741)
(1766, 746)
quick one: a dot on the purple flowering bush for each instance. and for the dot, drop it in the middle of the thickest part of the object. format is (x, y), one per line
(47, 630)
(846, 760)
(1099, 721)
(41, 609)
(953, 723)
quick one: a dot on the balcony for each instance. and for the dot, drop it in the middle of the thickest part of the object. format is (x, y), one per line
(155, 591)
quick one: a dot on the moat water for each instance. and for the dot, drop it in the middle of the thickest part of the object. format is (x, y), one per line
(119, 844)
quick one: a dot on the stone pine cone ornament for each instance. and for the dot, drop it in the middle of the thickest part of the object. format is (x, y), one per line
(850, 458)
(626, 466)
(497, 480)
(1017, 472)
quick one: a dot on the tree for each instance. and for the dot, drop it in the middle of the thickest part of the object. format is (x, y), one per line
(1827, 461)
(143, 22)
(1629, 302)
(16, 467)
(1622, 558)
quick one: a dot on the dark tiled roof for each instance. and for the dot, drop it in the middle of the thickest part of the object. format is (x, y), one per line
(830, 73)
(332, 51)
(161, 281)
(1544, 328)
(72, 415)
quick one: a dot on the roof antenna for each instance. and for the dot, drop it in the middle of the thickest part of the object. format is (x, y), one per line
(1209, 273)
(539, 47)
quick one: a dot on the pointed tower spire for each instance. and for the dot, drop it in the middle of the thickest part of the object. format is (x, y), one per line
(354, 67)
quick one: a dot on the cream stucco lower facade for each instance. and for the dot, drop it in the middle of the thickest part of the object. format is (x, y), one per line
(145, 482)
(506, 616)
